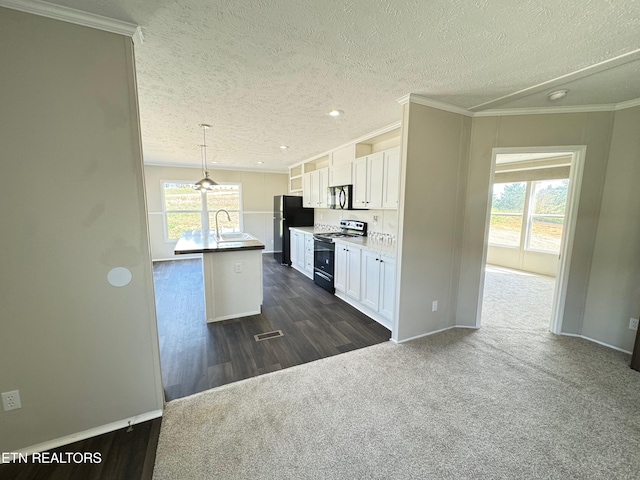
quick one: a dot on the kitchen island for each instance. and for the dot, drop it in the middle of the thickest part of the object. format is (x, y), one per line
(232, 271)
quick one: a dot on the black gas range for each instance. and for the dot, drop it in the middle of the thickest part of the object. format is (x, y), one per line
(324, 251)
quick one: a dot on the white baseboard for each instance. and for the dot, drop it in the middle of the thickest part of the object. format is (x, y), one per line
(596, 341)
(235, 315)
(422, 335)
(472, 327)
(92, 432)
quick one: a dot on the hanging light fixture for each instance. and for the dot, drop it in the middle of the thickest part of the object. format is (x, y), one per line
(206, 183)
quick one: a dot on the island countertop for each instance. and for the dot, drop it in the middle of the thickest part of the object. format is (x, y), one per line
(195, 242)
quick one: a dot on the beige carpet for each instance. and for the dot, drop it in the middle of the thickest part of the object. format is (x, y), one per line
(500, 402)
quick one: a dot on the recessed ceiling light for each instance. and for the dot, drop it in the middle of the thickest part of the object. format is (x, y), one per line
(335, 113)
(214, 162)
(284, 147)
(557, 95)
(260, 163)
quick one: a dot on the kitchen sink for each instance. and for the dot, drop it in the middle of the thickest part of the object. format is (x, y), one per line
(234, 237)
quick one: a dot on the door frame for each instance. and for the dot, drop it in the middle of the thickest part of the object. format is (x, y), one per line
(578, 154)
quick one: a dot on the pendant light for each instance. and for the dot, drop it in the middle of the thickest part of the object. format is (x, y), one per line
(206, 183)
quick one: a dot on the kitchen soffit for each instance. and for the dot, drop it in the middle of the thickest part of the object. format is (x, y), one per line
(265, 73)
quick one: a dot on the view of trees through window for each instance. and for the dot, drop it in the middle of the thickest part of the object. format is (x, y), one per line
(543, 218)
(187, 209)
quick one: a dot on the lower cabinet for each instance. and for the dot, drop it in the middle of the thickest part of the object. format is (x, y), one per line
(378, 283)
(347, 270)
(366, 280)
(308, 254)
(302, 252)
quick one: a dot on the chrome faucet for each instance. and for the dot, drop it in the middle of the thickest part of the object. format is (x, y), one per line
(217, 228)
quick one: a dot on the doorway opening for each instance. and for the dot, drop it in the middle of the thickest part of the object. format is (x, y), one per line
(531, 215)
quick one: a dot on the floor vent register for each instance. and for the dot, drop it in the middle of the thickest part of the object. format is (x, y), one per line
(268, 335)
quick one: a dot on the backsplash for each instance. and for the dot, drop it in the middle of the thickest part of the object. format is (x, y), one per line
(380, 223)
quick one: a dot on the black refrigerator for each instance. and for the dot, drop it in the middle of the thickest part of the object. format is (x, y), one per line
(287, 212)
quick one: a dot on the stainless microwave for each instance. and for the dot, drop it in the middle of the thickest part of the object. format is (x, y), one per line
(341, 198)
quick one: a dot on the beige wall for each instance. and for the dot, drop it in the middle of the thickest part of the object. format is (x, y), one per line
(434, 156)
(613, 295)
(590, 129)
(258, 190)
(82, 353)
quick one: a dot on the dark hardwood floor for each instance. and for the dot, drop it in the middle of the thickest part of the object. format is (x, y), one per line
(124, 456)
(197, 356)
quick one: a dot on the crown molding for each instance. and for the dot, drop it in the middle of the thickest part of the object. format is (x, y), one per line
(545, 110)
(77, 17)
(428, 102)
(561, 81)
(628, 104)
(609, 107)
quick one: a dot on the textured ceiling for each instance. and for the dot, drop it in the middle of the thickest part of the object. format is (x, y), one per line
(265, 72)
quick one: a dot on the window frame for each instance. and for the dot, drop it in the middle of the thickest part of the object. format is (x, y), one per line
(204, 211)
(527, 220)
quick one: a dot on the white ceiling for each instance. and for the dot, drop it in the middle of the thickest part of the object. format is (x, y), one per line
(264, 73)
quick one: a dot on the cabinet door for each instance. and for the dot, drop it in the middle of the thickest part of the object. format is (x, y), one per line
(340, 175)
(293, 247)
(300, 248)
(308, 253)
(306, 190)
(375, 173)
(340, 273)
(360, 182)
(323, 185)
(391, 183)
(370, 290)
(353, 272)
(386, 306)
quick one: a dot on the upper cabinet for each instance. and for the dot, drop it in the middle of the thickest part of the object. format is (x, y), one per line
(391, 175)
(340, 164)
(368, 175)
(372, 166)
(315, 192)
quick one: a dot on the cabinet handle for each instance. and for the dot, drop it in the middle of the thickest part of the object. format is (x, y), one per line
(380, 261)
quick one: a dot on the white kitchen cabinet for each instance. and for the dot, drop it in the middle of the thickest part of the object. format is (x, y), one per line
(341, 163)
(377, 286)
(308, 254)
(314, 188)
(301, 248)
(368, 174)
(370, 288)
(353, 272)
(347, 270)
(387, 300)
(307, 200)
(296, 248)
(391, 182)
(340, 268)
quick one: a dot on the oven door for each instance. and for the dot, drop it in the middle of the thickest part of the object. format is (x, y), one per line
(323, 261)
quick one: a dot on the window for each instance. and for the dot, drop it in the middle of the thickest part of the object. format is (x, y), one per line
(186, 209)
(507, 212)
(546, 219)
(544, 214)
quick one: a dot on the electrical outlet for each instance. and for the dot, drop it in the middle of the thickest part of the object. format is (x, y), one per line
(633, 324)
(434, 305)
(11, 400)
(238, 267)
